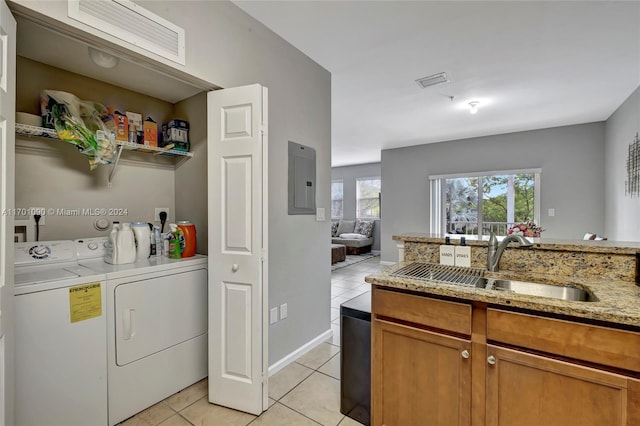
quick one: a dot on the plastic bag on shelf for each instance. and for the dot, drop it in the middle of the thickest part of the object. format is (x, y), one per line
(88, 125)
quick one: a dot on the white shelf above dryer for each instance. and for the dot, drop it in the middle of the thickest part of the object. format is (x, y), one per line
(44, 133)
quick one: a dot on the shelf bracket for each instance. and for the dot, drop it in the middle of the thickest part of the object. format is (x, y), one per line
(115, 164)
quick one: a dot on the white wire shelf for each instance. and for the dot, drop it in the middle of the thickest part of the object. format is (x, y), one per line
(41, 132)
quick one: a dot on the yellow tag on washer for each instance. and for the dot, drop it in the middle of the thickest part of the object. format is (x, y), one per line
(85, 302)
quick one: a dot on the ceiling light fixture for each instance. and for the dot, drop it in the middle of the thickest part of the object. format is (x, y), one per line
(102, 59)
(473, 107)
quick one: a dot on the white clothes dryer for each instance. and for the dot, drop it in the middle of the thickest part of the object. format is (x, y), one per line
(156, 329)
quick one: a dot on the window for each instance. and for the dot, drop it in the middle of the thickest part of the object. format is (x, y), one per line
(337, 196)
(368, 198)
(473, 203)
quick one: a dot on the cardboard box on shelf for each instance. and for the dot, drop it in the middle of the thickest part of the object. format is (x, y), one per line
(150, 132)
(176, 132)
(122, 126)
(135, 127)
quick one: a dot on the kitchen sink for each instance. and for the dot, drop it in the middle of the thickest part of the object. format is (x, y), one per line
(474, 277)
(571, 294)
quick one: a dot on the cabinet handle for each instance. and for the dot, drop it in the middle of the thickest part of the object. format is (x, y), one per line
(235, 267)
(491, 360)
(465, 354)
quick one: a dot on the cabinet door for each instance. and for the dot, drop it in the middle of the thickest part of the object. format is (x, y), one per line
(419, 377)
(530, 390)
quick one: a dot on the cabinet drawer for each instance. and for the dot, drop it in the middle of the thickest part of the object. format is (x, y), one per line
(601, 345)
(440, 314)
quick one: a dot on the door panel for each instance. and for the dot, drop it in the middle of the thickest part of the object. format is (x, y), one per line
(237, 242)
(237, 219)
(7, 202)
(237, 336)
(530, 390)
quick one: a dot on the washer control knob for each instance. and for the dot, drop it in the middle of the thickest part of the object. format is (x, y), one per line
(92, 245)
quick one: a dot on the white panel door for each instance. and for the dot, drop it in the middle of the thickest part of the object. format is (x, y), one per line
(7, 202)
(237, 242)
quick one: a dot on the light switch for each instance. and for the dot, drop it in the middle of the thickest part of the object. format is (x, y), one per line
(273, 315)
(320, 214)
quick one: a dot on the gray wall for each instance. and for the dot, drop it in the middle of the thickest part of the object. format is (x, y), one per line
(622, 211)
(572, 181)
(226, 47)
(229, 48)
(53, 174)
(348, 175)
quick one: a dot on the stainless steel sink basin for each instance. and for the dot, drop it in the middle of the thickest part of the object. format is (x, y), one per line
(561, 292)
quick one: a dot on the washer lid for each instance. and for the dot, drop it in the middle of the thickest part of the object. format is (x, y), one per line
(34, 276)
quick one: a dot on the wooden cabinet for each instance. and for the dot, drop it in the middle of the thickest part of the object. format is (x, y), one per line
(530, 390)
(435, 367)
(419, 377)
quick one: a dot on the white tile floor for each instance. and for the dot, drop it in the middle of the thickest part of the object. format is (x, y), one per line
(306, 392)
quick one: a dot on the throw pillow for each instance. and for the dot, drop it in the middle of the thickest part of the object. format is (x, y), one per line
(364, 227)
(334, 228)
(352, 236)
(346, 226)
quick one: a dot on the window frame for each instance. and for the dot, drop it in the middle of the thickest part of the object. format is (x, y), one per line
(437, 205)
(373, 178)
(341, 182)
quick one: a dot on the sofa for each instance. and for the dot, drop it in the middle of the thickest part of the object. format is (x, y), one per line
(355, 235)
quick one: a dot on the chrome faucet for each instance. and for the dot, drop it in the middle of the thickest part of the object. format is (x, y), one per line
(496, 250)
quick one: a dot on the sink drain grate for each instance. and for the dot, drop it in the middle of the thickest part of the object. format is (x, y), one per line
(470, 277)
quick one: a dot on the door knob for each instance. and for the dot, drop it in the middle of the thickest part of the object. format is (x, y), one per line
(235, 267)
(491, 360)
(465, 354)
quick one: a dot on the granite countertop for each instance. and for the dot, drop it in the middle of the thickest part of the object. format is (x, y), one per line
(617, 301)
(587, 246)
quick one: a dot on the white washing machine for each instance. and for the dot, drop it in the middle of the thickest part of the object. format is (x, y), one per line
(156, 329)
(60, 337)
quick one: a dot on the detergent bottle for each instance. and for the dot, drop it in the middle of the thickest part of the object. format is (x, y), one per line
(143, 239)
(174, 242)
(125, 246)
(111, 255)
(189, 232)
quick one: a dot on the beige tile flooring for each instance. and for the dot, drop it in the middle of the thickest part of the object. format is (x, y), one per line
(306, 392)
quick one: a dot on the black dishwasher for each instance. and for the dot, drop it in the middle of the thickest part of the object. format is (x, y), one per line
(355, 360)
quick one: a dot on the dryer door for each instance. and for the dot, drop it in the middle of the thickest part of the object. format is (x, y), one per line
(154, 314)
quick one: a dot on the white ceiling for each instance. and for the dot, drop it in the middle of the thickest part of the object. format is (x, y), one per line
(530, 64)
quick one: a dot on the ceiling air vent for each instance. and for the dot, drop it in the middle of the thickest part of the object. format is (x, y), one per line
(132, 23)
(432, 80)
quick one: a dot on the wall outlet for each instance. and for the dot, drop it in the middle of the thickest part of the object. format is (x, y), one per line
(273, 315)
(43, 215)
(162, 209)
(283, 311)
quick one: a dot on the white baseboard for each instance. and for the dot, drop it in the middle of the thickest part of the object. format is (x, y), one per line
(387, 263)
(288, 359)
